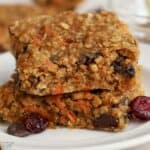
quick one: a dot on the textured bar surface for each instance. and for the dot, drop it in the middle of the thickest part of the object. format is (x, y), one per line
(71, 52)
(98, 109)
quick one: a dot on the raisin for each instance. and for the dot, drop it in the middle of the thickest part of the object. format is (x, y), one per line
(97, 91)
(35, 123)
(105, 121)
(18, 129)
(140, 107)
(88, 58)
(122, 68)
(118, 64)
(129, 71)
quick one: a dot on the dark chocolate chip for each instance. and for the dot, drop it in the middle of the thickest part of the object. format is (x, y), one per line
(18, 129)
(105, 121)
(88, 58)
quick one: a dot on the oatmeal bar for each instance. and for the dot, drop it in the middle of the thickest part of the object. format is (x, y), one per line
(97, 109)
(62, 4)
(74, 52)
(10, 13)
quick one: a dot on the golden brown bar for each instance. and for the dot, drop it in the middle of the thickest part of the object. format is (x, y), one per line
(74, 52)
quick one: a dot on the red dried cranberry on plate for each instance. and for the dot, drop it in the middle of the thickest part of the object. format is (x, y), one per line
(140, 107)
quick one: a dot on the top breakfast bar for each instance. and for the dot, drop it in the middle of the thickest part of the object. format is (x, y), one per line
(74, 52)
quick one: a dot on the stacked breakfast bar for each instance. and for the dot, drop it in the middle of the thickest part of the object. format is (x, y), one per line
(73, 70)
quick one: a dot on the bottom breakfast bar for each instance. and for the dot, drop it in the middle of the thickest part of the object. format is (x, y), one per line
(97, 109)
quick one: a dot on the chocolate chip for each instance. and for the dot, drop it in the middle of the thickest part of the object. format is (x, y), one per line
(105, 121)
(18, 129)
(88, 58)
(97, 91)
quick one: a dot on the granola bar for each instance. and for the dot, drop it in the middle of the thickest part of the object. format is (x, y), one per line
(61, 4)
(11, 13)
(74, 52)
(97, 109)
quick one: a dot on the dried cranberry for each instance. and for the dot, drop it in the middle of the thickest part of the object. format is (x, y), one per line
(35, 123)
(105, 121)
(18, 129)
(140, 107)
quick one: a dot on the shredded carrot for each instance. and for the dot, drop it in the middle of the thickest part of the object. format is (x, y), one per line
(71, 116)
(83, 105)
(59, 90)
(59, 103)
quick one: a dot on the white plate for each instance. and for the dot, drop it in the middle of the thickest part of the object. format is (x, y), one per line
(73, 139)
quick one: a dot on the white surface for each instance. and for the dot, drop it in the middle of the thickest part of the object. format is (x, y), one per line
(67, 139)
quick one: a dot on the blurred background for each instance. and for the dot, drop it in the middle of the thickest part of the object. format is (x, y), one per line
(135, 12)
